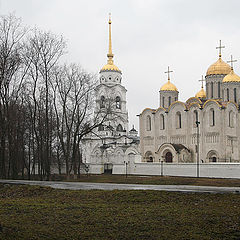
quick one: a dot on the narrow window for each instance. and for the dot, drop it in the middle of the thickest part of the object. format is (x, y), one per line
(118, 102)
(211, 89)
(231, 117)
(102, 102)
(235, 94)
(163, 101)
(227, 94)
(179, 120)
(195, 118)
(169, 101)
(219, 89)
(162, 122)
(212, 117)
(148, 123)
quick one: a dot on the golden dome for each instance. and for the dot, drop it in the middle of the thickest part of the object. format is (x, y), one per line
(219, 67)
(110, 67)
(201, 94)
(231, 77)
(169, 87)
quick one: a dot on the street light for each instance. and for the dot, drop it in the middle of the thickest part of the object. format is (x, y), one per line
(126, 162)
(197, 124)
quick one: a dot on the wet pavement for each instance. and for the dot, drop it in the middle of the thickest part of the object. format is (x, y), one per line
(113, 186)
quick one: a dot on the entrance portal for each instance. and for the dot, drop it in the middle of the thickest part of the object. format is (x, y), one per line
(168, 157)
(214, 159)
(108, 168)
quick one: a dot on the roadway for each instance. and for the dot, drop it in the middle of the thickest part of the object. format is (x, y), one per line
(115, 186)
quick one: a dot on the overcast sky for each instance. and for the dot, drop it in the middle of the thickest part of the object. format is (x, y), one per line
(148, 35)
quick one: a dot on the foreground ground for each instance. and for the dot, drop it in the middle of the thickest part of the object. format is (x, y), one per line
(32, 212)
(166, 180)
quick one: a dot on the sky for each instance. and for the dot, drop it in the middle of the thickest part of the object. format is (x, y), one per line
(148, 36)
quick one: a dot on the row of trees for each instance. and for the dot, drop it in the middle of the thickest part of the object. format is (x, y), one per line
(46, 108)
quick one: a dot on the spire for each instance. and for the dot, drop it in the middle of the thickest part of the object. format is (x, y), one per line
(110, 54)
(110, 66)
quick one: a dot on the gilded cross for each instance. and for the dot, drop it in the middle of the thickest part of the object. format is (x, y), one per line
(168, 72)
(202, 80)
(220, 48)
(231, 61)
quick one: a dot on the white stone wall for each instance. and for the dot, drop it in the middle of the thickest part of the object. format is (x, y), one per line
(211, 170)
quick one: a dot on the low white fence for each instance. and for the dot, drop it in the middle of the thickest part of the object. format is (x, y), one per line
(212, 170)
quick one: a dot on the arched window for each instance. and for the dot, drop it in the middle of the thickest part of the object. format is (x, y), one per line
(101, 128)
(231, 116)
(211, 89)
(212, 117)
(118, 102)
(219, 90)
(163, 101)
(178, 120)
(119, 128)
(149, 123)
(169, 101)
(235, 94)
(195, 118)
(102, 102)
(227, 94)
(162, 122)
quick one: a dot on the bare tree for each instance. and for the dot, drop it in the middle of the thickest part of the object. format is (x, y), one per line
(43, 53)
(12, 72)
(74, 104)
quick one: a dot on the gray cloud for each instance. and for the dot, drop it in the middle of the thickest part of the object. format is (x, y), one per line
(147, 37)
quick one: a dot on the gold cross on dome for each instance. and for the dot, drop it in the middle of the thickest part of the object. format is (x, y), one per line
(168, 72)
(220, 48)
(231, 61)
(202, 80)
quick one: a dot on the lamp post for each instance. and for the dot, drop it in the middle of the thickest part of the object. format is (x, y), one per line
(126, 163)
(161, 166)
(197, 124)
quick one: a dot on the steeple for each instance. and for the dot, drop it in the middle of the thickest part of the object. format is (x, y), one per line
(110, 54)
(110, 66)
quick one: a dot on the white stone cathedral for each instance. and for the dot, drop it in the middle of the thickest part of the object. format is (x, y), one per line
(111, 143)
(210, 121)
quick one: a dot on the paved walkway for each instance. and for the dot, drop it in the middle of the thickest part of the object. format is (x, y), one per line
(113, 186)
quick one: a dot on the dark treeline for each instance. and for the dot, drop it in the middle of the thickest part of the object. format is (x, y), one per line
(46, 108)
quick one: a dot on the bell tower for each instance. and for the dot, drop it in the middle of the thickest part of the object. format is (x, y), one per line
(111, 90)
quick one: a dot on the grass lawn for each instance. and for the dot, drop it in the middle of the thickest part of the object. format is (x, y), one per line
(33, 212)
(107, 178)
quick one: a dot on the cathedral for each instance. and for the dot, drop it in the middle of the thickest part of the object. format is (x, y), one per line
(205, 128)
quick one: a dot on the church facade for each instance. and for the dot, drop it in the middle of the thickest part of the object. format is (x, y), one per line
(208, 122)
(112, 143)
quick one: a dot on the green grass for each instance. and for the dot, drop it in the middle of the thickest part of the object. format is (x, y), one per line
(33, 212)
(105, 178)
